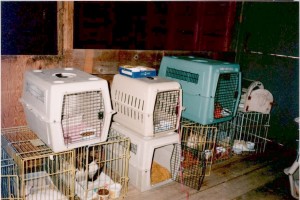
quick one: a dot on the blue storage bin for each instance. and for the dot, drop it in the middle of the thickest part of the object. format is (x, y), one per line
(211, 88)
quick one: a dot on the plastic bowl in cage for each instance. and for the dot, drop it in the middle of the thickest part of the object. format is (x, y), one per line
(237, 150)
(250, 145)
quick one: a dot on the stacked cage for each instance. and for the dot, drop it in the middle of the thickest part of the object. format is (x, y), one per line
(211, 88)
(67, 108)
(192, 159)
(39, 169)
(103, 166)
(148, 112)
(9, 178)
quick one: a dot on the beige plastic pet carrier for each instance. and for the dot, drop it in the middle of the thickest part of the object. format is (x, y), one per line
(67, 108)
(148, 106)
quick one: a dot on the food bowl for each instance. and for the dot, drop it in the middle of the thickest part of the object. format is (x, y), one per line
(237, 150)
(250, 145)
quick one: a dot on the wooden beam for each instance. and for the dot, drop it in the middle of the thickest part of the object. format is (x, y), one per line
(65, 12)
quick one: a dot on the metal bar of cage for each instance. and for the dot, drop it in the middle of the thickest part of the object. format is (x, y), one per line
(103, 166)
(39, 170)
(201, 138)
(250, 131)
(9, 178)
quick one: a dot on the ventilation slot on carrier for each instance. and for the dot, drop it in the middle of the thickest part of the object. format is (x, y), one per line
(182, 75)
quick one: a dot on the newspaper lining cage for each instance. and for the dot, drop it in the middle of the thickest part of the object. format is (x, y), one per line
(9, 178)
(39, 170)
(250, 131)
(149, 106)
(103, 165)
(211, 88)
(66, 107)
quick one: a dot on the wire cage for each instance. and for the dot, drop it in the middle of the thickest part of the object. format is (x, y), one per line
(39, 170)
(200, 139)
(250, 132)
(224, 141)
(9, 178)
(211, 88)
(67, 108)
(102, 166)
(149, 106)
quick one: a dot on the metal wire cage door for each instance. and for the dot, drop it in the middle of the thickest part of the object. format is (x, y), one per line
(102, 166)
(188, 166)
(191, 160)
(250, 131)
(166, 111)
(9, 179)
(82, 116)
(226, 95)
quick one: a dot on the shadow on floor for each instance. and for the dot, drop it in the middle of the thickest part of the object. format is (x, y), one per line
(280, 157)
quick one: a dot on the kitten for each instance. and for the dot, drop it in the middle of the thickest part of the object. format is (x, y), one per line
(95, 166)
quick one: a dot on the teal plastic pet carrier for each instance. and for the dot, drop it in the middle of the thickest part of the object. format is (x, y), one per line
(211, 88)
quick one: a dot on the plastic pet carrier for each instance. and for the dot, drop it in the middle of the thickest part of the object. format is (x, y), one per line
(148, 106)
(66, 108)
(149, 163)
(211, 88)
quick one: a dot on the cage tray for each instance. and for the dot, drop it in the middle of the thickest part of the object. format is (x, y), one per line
(137, 71)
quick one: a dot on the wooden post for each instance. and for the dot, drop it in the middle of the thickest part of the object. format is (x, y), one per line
(65, 13)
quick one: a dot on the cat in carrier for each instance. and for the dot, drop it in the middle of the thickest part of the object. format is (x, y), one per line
(89, 160)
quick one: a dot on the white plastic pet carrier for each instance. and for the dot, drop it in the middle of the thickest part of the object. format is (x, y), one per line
(150, 158)
(211, 88)
(148, 106)
(66, 107)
